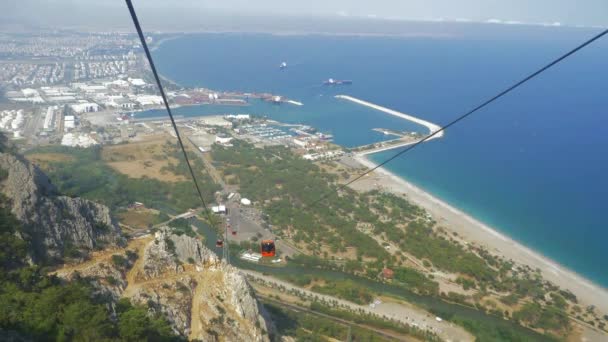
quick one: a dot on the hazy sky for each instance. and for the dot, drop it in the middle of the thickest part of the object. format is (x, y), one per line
(575, 12)
(567, 12)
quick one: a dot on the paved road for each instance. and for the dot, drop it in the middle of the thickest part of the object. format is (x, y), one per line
(404, 314)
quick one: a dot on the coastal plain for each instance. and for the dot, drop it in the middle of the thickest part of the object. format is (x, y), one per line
(474, 231)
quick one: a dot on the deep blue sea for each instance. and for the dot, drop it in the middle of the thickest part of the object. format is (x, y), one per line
(534, 164)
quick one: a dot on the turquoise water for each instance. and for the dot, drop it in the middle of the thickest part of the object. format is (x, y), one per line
(533, 165)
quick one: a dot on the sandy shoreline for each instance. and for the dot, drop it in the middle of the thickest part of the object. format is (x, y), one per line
(472, 230)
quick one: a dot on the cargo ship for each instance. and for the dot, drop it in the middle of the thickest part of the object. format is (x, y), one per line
(331, 82)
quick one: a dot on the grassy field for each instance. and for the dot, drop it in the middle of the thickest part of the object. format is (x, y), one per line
(143, 159)
(140, 218)
(44, 159)
(153, 172)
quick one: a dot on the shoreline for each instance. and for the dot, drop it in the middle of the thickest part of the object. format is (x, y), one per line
(160, 42)
(475, 231)
(470, 228)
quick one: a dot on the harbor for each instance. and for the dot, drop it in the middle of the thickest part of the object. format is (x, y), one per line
(433, 128)
(404, 138)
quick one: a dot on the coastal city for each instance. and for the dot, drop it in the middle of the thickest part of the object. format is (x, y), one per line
(90, 91)
(379, 257)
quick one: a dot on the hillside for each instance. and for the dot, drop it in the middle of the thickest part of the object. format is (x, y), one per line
(53, 225)
(164, 288)
(177, 276)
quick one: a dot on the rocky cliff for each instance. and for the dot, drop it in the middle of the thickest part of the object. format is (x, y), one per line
(203, 298)
(53, 224)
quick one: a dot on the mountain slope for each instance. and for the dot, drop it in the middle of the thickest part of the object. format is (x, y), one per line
(53, 225)
(178, 276)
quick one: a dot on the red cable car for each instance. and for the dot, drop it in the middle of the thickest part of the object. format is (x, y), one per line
(268, 248)
(219, 243)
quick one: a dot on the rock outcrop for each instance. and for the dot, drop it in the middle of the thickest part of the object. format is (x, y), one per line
(53, 224)
(203, 298)
(170, 252)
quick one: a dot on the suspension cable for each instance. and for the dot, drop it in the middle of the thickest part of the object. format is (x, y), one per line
(162, 93)
(465, 115)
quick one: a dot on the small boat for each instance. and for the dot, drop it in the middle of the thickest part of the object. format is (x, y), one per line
(332, 82)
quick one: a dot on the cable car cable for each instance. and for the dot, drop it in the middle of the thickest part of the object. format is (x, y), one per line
(465, 115)
(162, 92)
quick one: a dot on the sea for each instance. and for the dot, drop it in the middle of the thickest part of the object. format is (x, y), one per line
(533, 165)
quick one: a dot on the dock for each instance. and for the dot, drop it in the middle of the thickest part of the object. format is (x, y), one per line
(433, 128)
(403, 141)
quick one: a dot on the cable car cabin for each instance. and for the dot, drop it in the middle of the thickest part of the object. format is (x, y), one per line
(268, 248)
(219, 243)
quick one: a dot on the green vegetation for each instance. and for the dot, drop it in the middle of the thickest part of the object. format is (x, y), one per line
(34, 306)
(309, 327)
(548, 318)
(497, 333)
(135, 324)
(342, 232)
(413, 279)
(346, 289)
(373, 321)
(558, 301)
(423, 242)
(348, 219)
(182, 226)
(297, 279)
(467, 283)
(120, 261)
(291, 183)
(87, 175)
(12, 249)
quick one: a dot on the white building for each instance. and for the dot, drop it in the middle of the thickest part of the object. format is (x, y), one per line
(85, 107)
(245, 201)
(82, 140)
(94, 88)
(219, 209)
(49, 119)
(29, 92)
(300, 142)
(149, 100)
(238, 116)
(118, 83)
(222, 140)
(216, 121)
(69, 122)
(137, 82)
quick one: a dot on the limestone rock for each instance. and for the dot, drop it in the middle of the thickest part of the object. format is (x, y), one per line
(53, 223)
(203, 298)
